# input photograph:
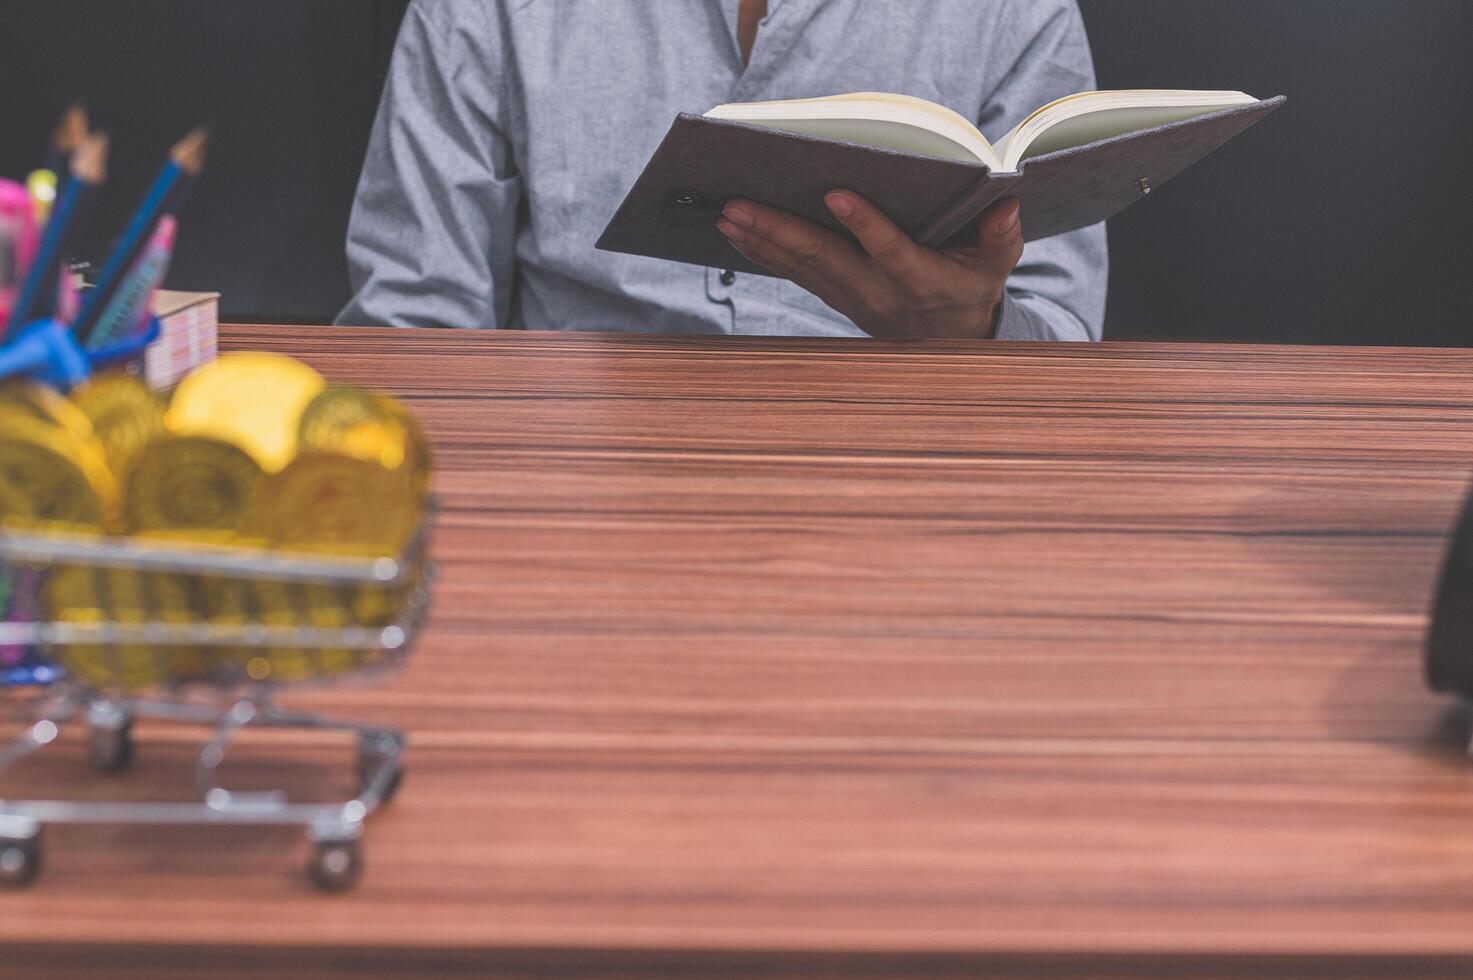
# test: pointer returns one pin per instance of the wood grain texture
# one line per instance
(804, 658)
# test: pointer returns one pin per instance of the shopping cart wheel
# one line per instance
(335, 866)
(20, 861)
(110, 750)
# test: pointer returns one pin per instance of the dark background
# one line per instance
(1345, 218)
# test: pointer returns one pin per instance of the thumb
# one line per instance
(1000, 239)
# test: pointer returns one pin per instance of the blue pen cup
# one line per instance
(48, 351)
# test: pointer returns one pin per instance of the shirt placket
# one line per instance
(778, 34)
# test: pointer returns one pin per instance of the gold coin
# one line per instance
(50, 477)
(124, 412)
(15, 503)
(419, 455)
(352, 422)
(254, 401)
(279, 606)
(136, 598)
(333, 503)
(311, 605)
(74, 595)
(357, 423)
(233, 602)
(237, 602)
(197, 487)
(32, 399)
(96, 595)
(377, 607)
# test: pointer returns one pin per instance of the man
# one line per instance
(511, 130)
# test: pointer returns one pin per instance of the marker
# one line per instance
(129, 309)
(38, 297)
(186, 160)
(17, 245)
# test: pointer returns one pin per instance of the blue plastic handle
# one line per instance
(48, 351)
(31, 675)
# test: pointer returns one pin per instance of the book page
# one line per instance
(912, 125)
(1093, 116)
(891, 122)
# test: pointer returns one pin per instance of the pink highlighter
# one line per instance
(19, 240)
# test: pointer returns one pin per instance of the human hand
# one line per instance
(893, 287)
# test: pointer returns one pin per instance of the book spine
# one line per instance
(939, 228)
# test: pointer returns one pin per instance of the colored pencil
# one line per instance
(43, 184)
(130, 307)
(37, 298)
(73, 128)
(185, 162)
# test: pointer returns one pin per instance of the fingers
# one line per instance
(891, 284)
(890, 247)
(786, 237)
(813, 257)
(780, 263)
(1000, 240)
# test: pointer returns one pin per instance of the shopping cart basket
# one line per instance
(114, 630)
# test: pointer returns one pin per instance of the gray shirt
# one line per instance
(511, 130)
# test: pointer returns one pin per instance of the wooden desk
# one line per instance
(821, 659)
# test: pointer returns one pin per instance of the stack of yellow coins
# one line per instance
(93, 596)
(53, 469)
(254, 450)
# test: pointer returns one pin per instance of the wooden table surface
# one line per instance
(791, 658)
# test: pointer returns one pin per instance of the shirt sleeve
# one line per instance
(432, 237)
(1058, 290)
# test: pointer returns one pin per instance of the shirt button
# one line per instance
(728, 278)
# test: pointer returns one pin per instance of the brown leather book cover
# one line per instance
(672, 210)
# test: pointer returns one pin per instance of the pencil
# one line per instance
(73, 128)
(130, 307)
(185, 162)
(70, 132)
(89, 169)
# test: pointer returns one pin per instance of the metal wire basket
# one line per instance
(115, 630)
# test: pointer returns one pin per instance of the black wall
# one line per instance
(1343, 219)
(1346, 217)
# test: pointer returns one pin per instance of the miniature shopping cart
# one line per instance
(115, 630)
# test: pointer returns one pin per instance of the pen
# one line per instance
(185, 162)
(38, 296)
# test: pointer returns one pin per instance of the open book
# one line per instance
(1071, 164)
(911, 125)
